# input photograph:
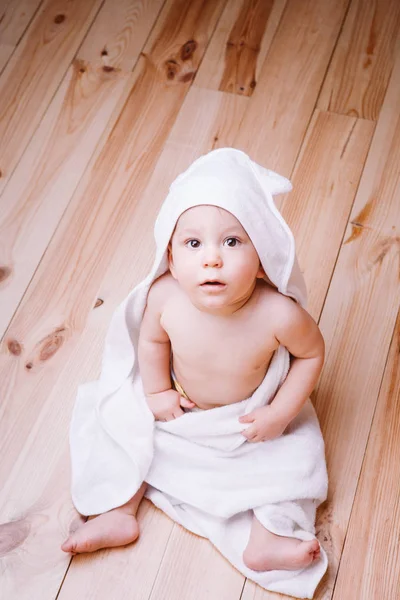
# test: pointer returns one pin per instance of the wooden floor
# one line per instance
(102, 104)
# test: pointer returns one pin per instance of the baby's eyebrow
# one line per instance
(188, 232)
(234, 231)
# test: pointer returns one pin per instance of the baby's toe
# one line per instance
(315, 547)
(69, 545)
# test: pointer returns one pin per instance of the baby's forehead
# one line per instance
(207, 216)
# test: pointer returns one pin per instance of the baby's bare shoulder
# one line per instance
(273, 299)
(161, 291)
(282, 309)
(293, 326)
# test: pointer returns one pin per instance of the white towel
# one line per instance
(201, 470)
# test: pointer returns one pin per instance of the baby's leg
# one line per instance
(267, 551)
(117, 527)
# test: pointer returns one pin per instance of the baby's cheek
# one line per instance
(247, 272)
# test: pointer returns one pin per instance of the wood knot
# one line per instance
(253, 84)
(367, 62)
(99, 302)
(52, 344)
(108, 69)
(187, 76)
(76, 523)
(29, 366)
(172, 68)
(13, 535)
(5, 272)
(14, 347)
(104, 52)
(59, 19)
(188, 49)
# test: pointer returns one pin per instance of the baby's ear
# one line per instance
(260, 272)
(170, 260)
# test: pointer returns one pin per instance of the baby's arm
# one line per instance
(154, 346)
(298, 332)
(154, 360)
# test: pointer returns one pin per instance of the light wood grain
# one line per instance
(34, 73)
(239, 46)
(370, 566)
(193, 569)
(41, 187)
(359, 73)
(289, 82)
(119, 33)
(75, 127)
(325, 182)
(14, 19)
(357, 323)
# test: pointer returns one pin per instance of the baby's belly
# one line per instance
(210, 388)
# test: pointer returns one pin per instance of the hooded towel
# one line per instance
(200, 469)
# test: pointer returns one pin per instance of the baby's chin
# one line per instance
(222, 303)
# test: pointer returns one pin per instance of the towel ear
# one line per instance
(275, 183)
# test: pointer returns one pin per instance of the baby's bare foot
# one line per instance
(267, 551)
(114, 528)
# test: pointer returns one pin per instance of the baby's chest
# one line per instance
(235, 345)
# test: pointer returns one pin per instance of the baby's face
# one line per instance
(213, 259)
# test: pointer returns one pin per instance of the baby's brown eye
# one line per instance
(231, 242)
(193, 243)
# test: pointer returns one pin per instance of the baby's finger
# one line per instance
(254, 436)
(186, 402)
(246, 418)
(249, 433)
(177, 412)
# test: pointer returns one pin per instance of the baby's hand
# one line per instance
(265, 424)
(166, 406)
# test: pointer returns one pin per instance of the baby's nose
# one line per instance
(212, 258)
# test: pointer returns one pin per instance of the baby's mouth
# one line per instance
(213, 284)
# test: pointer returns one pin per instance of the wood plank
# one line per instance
(38, 494)
(357, 323)
(252, 591)
(359, 73)
(15, 17)
(370, 565)
(325, 182)
(76, 123)
(35, 71)
(199, 571)
(41, 186)
(239, 46)
(117, 36)
(289, 83)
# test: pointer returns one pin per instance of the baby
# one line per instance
(211, 326)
